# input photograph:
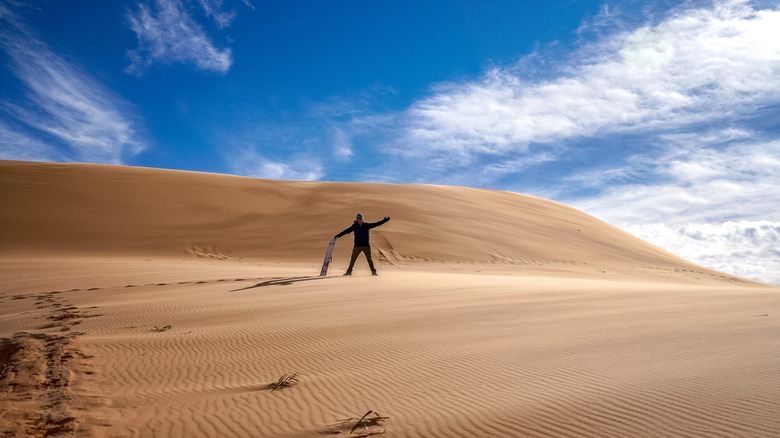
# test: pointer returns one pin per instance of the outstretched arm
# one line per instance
(382, 222)
(347, 231)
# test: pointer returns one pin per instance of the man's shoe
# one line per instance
(374, 274)
(347, 274)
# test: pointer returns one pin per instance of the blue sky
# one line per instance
(660, 117)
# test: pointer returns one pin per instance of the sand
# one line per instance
(142, 302)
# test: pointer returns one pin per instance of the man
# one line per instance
(362, 241)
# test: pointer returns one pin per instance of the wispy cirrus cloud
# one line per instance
(167, 33)
(248, 162)
(15, 144)
(214, 9)
(60, 104)
(324, 137)
(282, 152)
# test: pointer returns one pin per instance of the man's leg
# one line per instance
(355, 252)
(367, 252)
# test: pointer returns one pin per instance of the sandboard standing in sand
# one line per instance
(328, 258)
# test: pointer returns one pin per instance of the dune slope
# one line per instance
(46, 207)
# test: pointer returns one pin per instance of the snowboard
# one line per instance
(328, 258)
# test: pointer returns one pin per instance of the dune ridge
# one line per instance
(143, 302)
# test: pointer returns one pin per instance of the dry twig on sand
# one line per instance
(366, 421)
(285, 381)
(162, 329)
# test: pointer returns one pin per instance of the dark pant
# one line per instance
(355, 252)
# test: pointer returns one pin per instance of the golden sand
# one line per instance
(142, 302)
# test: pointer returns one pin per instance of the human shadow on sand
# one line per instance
(280, 281)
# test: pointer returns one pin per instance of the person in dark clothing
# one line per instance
(362, 241)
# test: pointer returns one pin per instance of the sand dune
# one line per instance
(141, 302)
(112, 209)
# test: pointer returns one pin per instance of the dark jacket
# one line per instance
(361, 231)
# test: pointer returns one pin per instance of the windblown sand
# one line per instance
(140, 302)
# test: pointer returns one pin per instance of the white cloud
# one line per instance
(332, 133)
(213, 9)
(170, 35)
(18, 145)
(693, 183)
(697, 65)
(717, 206)
(250, 163)
(342, 143)
(62, 103)
(749, 249)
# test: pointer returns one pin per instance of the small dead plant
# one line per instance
(368, 421)
(162, 329)
(285, 381)
(371, 423)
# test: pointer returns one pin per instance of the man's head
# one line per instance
(359, 218)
